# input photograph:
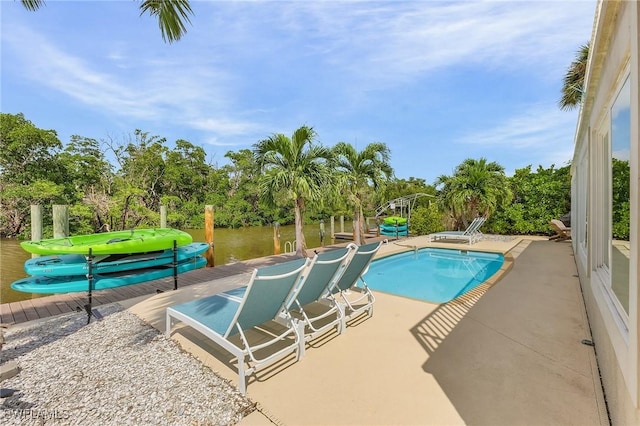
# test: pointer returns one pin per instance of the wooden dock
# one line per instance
(349, 235)
(47, 306)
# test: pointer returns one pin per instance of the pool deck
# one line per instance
(507, 353)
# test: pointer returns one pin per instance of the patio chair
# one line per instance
(562, 231)
(472, 234)
(226, 318)
(350, 292)
(322, 314)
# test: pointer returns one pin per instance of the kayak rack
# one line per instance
(175, 264)
(88, 307)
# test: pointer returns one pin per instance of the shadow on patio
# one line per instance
(514, 356)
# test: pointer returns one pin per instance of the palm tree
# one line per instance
(296, 170)
(356, 172)
(475, 189)
(573, 82)
(448, 201)
(172, 15)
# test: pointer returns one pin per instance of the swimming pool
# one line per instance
(431, 274)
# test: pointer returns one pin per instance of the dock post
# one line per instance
(276, 237)
(60, 221)
(36, 224)
(341, 223)
(163, 216)
(208, 235)
(321, 233)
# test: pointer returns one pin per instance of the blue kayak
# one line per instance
(78, 283)
(76, 264)
(392, 230)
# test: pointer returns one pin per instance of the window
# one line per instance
(620, 196)
(582, 201)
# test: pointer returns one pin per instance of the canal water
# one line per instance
(230, 245)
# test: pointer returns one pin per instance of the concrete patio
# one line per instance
(508, 353)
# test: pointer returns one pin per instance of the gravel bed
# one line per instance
(115, 371)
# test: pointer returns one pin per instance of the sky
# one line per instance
(437, 82)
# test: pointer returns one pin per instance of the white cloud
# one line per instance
(149, 88)
(539, 136)
(247, 69)
(392, 42)
(542, 126)
(365, 45)
(222, 126)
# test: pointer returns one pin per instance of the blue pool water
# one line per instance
(434, 275)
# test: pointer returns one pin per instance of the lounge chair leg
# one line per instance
(371, 300)
(343, 319)
(242, 385)
(301, 342)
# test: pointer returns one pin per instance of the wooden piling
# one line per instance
(208, 235)
(276, 238)
(163, 216)
(333, 229)
(36, 224)
(60, 221)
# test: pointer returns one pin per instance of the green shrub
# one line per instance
(426, 220)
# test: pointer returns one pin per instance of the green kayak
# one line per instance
(118, 242)
(394, 220)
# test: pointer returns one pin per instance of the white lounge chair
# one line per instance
(350, 292)
(472, 234)
(321, 314)
(223, 316)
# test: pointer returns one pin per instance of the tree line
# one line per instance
(254, 189)
(120, 184)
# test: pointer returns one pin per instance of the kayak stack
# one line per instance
(394, 225)
(108, 260)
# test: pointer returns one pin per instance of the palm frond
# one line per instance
(573, 81)
(172, 16)
(32, 5)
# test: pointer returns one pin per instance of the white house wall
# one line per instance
(614, 56)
